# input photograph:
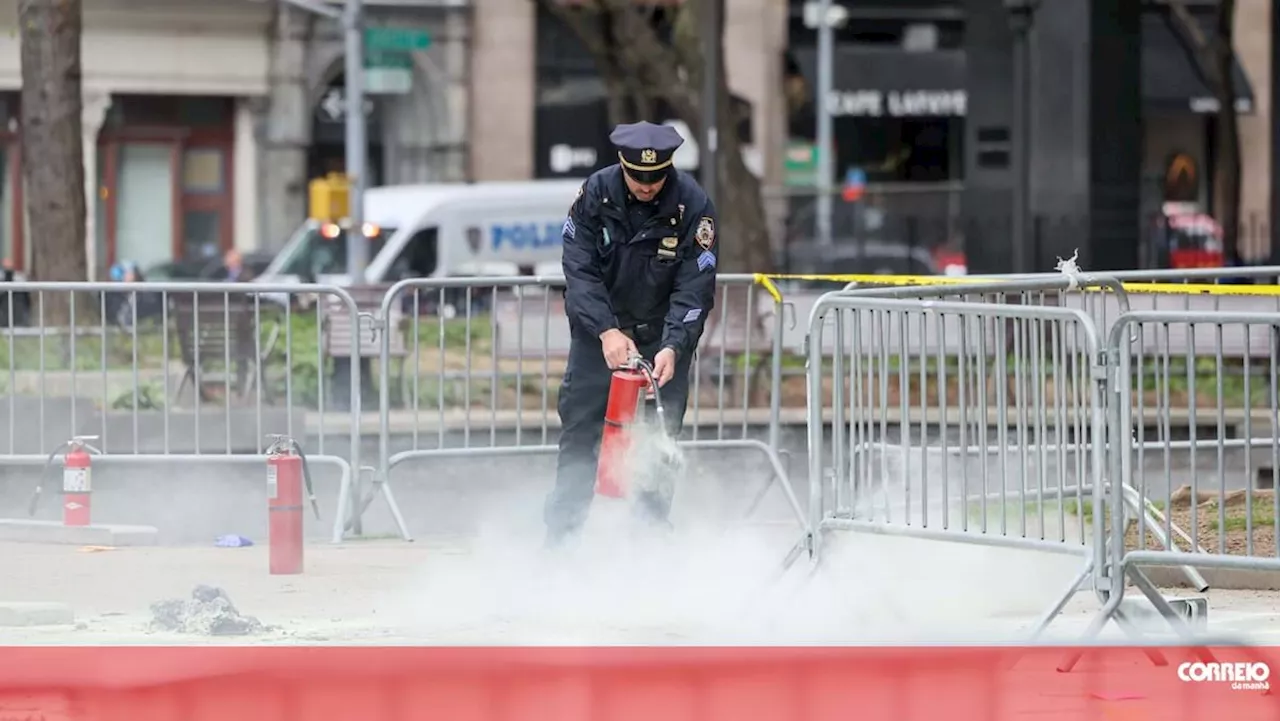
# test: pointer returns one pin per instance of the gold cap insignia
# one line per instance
(649, 155)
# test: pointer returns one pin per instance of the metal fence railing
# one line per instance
(1043, 412)
(1039, 412)
(182, 373)
(485, 382)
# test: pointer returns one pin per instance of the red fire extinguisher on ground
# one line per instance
(76, 480)
(286, 472)
(77, 475)
(626, 389)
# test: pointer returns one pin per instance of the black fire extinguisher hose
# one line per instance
(306, 476)
(646, 368)
(44, 476)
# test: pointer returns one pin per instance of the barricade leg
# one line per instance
(380, 487)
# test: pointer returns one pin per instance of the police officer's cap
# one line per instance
(645, 149)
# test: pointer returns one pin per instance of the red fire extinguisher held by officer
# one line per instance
(287, 471)
(626, 388)
(77, 480)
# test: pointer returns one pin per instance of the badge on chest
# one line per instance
(667, 247)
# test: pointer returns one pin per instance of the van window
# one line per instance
(323, 250)
(419, 257)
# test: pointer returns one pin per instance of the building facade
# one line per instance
(166, 115)
(204, 120)
(540, 109)
(923, 95)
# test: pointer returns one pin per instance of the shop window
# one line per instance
(202, 170)
(144, 202)
(204, 112)
(155, 111)
(201, 233)
(899, 150)
(206, 201)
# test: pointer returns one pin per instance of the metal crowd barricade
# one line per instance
(972, 422)
(1194, 355)
(1149, 346)
(483, 358)
(167, 372)
(942, 358)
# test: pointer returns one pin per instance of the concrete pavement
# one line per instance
(705, 586)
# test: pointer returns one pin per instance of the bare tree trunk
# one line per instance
(1213, 57)
(638, 66)
(52, 145)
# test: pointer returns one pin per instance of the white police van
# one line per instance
(438, 231)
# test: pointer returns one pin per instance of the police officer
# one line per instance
(639, 263)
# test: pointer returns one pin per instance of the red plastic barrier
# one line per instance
(621, 684)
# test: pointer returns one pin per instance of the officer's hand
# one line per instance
(664, 366)
(618, 348)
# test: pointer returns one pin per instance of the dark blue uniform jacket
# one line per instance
(622, 272)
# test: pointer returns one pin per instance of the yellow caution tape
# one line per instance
(766, 281)
(1271, 291)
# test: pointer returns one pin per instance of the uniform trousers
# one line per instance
(584, 396)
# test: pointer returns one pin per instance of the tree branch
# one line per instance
(635, 59)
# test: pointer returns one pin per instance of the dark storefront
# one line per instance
(922, 104)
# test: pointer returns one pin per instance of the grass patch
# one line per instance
(1237, 515)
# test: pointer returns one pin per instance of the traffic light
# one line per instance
(330, 198)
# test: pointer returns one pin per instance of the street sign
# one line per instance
(388, 61)
(404, 40)
(333, 106)
(800, 165)
(388, 81)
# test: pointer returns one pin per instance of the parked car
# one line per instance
(204, 269)
(855, 258)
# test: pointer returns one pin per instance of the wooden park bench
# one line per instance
(340, 342)
(218, 342)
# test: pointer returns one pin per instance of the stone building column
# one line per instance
(250, 114)
(1253, 48)
(503, 87)
(94, 106)
(287, 132)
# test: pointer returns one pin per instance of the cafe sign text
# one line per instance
(897, 103)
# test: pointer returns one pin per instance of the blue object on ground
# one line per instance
(232, 542)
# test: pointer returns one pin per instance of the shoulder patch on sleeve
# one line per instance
(569, 230)
(706, 233)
